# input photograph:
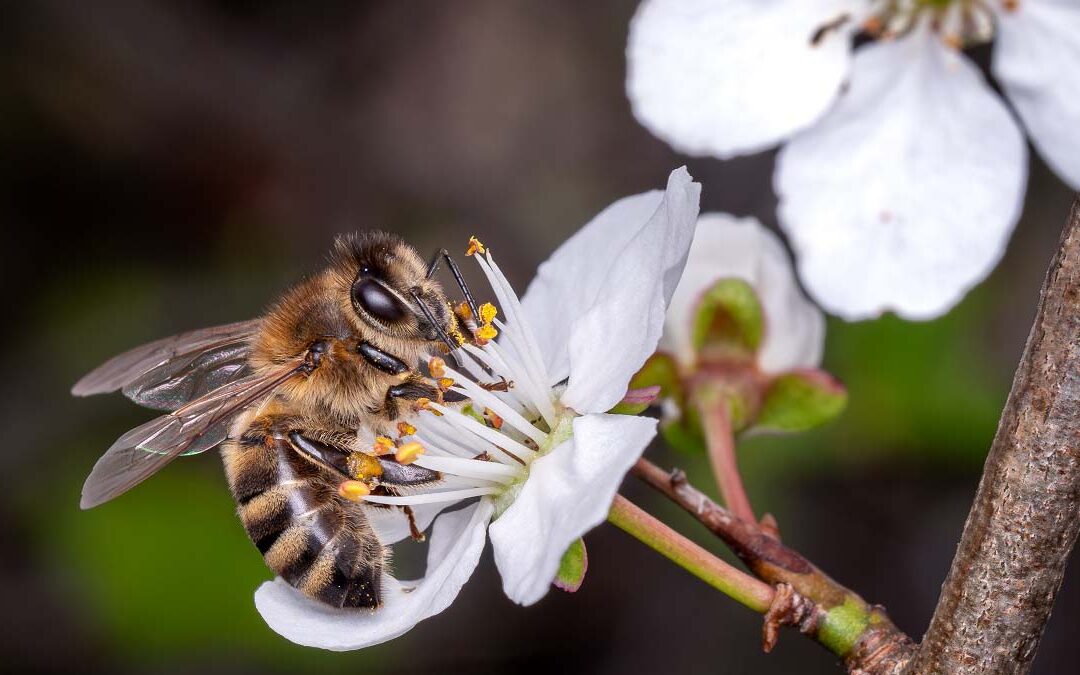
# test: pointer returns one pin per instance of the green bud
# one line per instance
(572, 567)
(800, 400)
(728, 321)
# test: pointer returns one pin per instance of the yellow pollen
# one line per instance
(409, 452)
(424, 403)
(486, 333)
(353, 490)
(487, 313)
(437, 367)
(383, 445)
(463, 311)
(445, 383)
(475, 247)
(405, 429)
(364, 467)
(493, 419)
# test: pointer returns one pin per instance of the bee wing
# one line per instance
(193, 428)
(168, 373)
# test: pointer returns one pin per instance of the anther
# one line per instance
(405, 429)
(437, 367)
(384, 445)
(475, 247)
(493, 420)
(353, 490)
(409, 452)
(488, 312)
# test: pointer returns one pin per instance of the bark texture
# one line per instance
(1024, 521)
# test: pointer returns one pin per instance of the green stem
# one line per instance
(751, 592)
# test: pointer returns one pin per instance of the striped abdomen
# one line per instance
(316, 540)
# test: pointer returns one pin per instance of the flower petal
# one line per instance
(456, 543)
(597, 305)
(730, 77)
(1037, 62)
(568, 492)
(724, 247)
(905, 194)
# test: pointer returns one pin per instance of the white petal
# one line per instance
(742, 248)
(456, 542)
(730, 77)
(568, 492)
(905, 194)
(1037, 62)
(598, 303)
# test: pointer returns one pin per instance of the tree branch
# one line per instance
(1026, 515)
(851, 628)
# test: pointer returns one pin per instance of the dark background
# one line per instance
(170, 165)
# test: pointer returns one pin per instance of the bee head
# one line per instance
(390, 289)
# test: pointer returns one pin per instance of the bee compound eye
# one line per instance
(374, 299)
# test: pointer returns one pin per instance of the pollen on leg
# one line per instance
(409, 452)
(364, 467)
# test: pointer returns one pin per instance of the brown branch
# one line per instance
(1026, 515)
(875, 647)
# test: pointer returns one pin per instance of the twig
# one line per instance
(781, 607)
(727, 579)
(1026, 515)
(853, 629)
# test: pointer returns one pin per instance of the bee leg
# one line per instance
(414, 531)
(414, 388)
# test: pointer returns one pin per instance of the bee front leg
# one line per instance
(414, 388)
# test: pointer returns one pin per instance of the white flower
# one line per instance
(726, 247)
(899, 190)
(544, 456)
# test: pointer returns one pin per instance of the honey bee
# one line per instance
(285, 395)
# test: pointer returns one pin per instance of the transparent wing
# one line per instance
(193, 428)
(210, 354)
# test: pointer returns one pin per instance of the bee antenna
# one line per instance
(443, 254)
(438, 329)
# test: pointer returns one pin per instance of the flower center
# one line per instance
(513, 416)
(960, 23)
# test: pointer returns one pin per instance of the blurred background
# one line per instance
(171, 165)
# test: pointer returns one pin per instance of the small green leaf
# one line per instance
(801, 399)
(660, 371)
(572, 567)
(728, 320)
(636, 401)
